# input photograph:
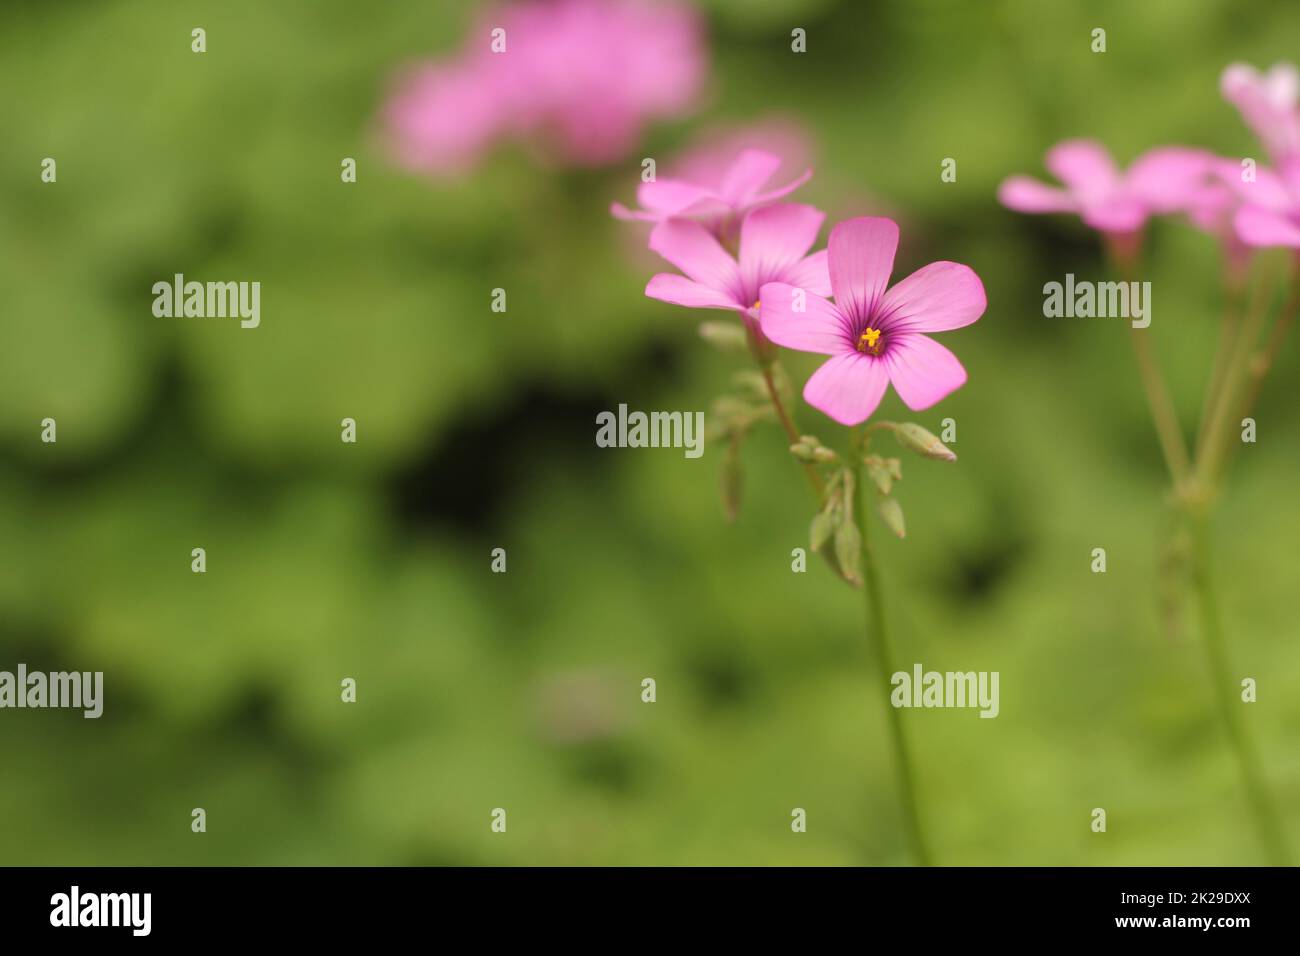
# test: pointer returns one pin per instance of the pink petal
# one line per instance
(694, 250)
(1257, 226)
(763, 198)
(1211, 206)
(922, 370)
(934, 298)
(1267, 103)
(1167, 178)
(819, 328)
(619, 211)
(679, 290)
(669, 196)
(861, 259)
(848, 387)
(813, 273)
(1282, 86)
(1268, 190)
(774, 238)
(1116, 214)
(1084, 166)
(1024, 194)
(746, 176)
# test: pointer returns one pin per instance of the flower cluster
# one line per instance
(1247, 207)
(579, 78)
(1242, 204)
(739, 248)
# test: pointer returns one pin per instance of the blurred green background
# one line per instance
(476, 431)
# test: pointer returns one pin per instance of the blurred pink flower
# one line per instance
(720, 198)
(1161, 180)
(1270, 212)
(579, 77)
(774, 244)
(1212, 206)
(710, 154)
(873, 335)
(444, 116)
(1267, 103)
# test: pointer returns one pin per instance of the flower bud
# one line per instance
(823, 526)
(848, 551)
(915, 438)
(891, 513)
(881, 475)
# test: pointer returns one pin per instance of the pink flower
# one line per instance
(1267, 103)
(774, 244)
(1212, 206)
(1270, 212)
(873, 335)
(444, 116)
(1159, 181)
(710, 154)
(717, 203)
(578, 77)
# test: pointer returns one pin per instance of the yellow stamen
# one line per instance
(757, 302)
(869, 341)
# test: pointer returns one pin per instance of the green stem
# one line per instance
(878, 634)
(1209, 459)
(1123, 252)
(1267, 821)
(1229, 329)
(782, 416)
(1172, 444)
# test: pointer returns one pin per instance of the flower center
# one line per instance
(870, 341)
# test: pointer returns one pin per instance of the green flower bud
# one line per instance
(880, 474)
(891, 513)
(848, 551)
(915, 438)
(823, 526)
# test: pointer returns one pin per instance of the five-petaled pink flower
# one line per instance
(1159, 181)
(718, 204)
(875, 336)
(774, 244)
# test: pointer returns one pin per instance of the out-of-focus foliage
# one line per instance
(522, 690)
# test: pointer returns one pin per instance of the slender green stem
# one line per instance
(1123, 252)
(1209, 457)
(1260, 363)
(782, 416)
(1267, 821)
(1172, 443)
(878, 634)
(1229, 329)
